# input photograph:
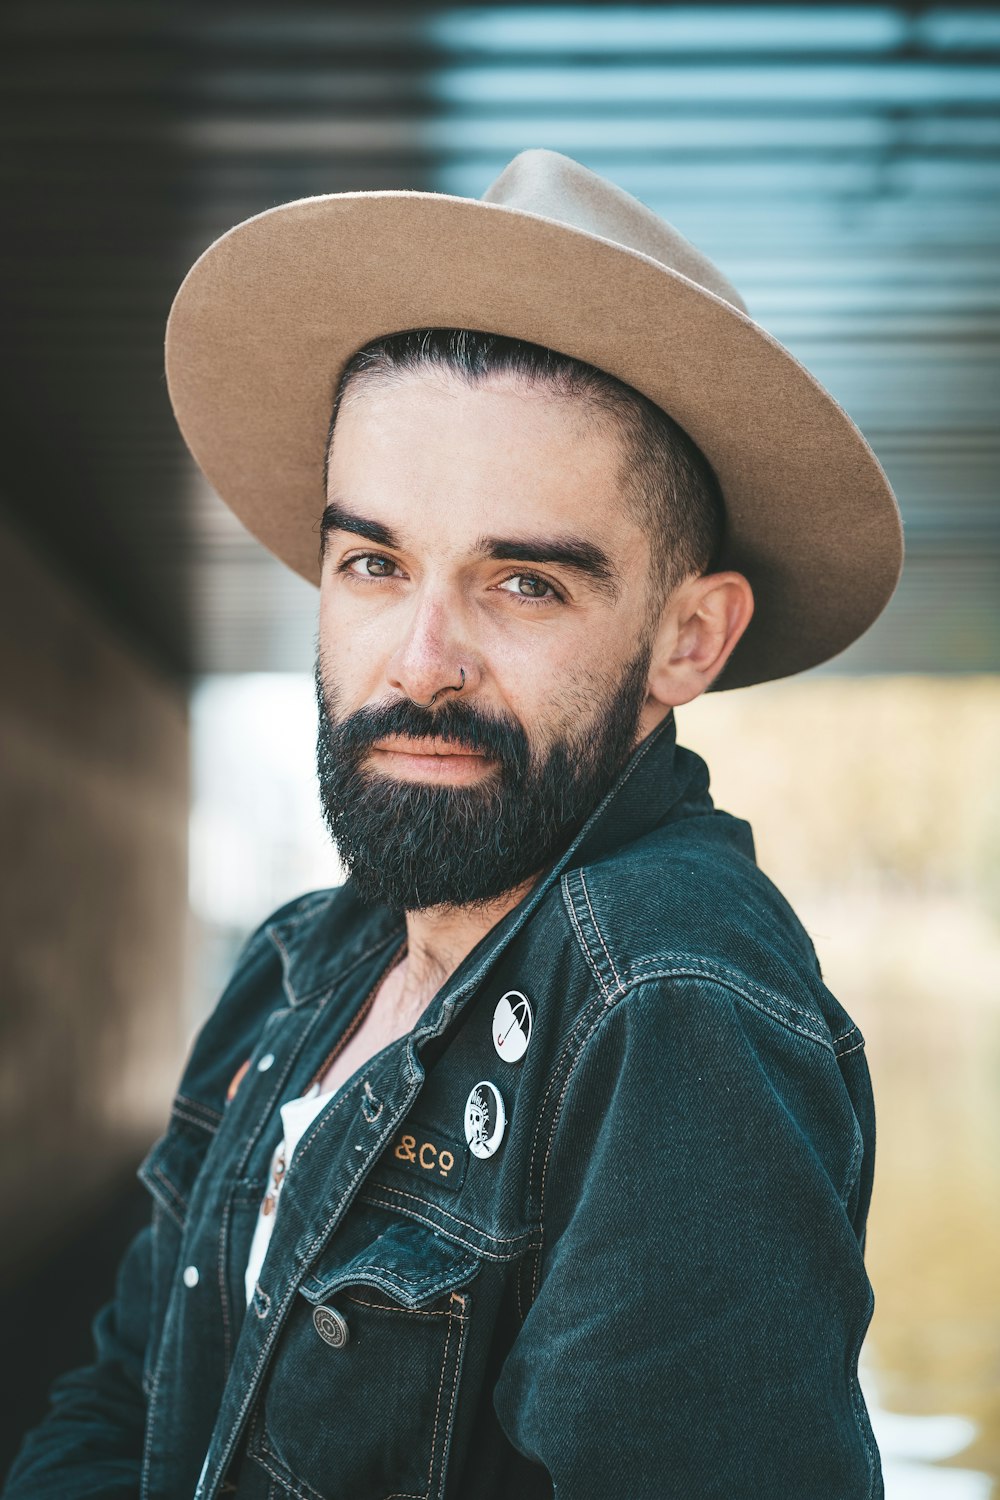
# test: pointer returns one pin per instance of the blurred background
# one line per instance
(840, 164)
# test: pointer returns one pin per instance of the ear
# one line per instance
(702, 621)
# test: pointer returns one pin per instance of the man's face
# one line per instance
(476, 531)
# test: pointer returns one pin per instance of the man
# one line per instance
(536, 1159)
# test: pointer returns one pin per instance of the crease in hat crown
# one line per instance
(546, 182)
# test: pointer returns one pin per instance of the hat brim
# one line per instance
(266, 318)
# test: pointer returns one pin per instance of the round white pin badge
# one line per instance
(512, 1026)
(485, 1119)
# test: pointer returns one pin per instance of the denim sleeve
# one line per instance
(89, 1445)
(700, 1295)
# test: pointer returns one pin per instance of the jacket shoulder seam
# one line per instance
(666, 965)
(744, 989)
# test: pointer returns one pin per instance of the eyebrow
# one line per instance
(573, 552)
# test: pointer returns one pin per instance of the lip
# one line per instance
(431, 760)
(398, 744)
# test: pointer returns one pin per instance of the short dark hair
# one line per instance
(667, 482)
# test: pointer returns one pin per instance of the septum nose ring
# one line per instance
(451, 688)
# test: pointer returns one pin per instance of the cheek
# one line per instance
(355, 643)
(553, 687)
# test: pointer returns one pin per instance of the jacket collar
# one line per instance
(331, 932)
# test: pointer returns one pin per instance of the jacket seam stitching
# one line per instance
(227, 1342)
(566, 1059)
(727, 981)
(570, 905)
(498, 1239)
(734, 976)
(604, 1010)
(600, 935)
(500, 1257)
(288, 1481)
(861, 1421)
(197, 1107)
(178, 1214)
(398, 1275)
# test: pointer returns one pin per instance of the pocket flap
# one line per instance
(172, 1164)
(407, 1262)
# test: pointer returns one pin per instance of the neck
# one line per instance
(437, 940)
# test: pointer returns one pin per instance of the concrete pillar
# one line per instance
(93, 895)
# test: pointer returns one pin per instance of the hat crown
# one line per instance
(540, 181)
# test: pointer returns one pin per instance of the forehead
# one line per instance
(428, 453)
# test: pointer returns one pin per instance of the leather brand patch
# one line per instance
(416, 1150)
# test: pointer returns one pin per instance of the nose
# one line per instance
(434, 655)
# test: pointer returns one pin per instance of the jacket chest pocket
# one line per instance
(361, 1395)
(168, 1172)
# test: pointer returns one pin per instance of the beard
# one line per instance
(412, 845)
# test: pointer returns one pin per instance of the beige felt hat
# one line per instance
(269, 314)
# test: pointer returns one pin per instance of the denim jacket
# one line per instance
(653, 1287)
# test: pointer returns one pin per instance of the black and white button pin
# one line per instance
(485, 1119)
(512, 1026)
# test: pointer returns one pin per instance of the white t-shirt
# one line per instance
(296, 1117)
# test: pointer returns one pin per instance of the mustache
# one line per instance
(498, 736)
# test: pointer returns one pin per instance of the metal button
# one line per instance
(191, 1276)
(512, 1026)
(266, 1062)
(485, 1119)
(331, 1326)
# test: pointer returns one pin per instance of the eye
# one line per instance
(369, 565)
(529, 586)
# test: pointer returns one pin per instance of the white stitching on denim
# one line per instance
(461, 1319)
(857, 1400)
(497, 1239)
(498, 1256)
(848, 1050)
(372, 1116)
(398, 1494)
(570, 905)
(735, 975)
(552, 1135)
(180, 1113)
(437, 1404)
(844, 1035)
(579, 1024)
(395, 1275)
(398, 1307)
(322, 1121)
(262, 1357)
(429, 1203)
(290, 1483)
(586, 895)
(227, 1341)
(727, 981)
(151, 1405)
(195, 1105)
(179, 1218)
